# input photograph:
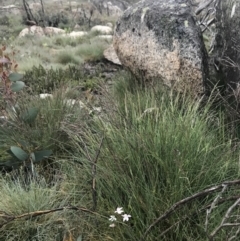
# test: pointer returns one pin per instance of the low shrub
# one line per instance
(65, 57)
(92, 51)
(41, 80)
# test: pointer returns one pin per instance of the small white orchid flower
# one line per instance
(112, 225)
(119, 210)
(112, 218)
(44, 96)
(126, 217)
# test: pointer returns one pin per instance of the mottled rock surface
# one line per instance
(111, 56)
(160, 40)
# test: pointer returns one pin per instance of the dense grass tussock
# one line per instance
(156, 151)
(149, 150)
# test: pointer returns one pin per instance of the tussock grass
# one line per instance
(57, 51)
(93, 50)
(157, 150)
(29, 63)
(65, 57)
(19, 199)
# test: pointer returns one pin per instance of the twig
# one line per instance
(213, 205)
(223, 200)
(235, 235)
(168, 229)
(201, 210)
(10, 218)
(202, 6)
(94, 173)
(43, 13)
(177, 205)
(223, 223)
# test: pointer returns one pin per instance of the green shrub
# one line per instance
(41, 80)
(92, 51)
(64, 57)
(10, 27)
(35, 125)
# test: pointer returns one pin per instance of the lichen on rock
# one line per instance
(161, 40)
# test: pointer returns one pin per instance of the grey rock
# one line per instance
(113, 8)
(161, 40)
(123, 5)
(111, 55)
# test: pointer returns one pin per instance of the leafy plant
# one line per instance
(41, 80)
(25, 154)
(11, 81)
(33, 157)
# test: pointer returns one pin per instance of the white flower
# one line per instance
(112, 225)
(112, 218)
(119, 210)
(126, 217)
(44, 96)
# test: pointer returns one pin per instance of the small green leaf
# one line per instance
(30, 115)
(19, 153)
(14, 77)
(17, 86)
(40, 155)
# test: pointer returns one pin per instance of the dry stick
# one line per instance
(168, 229)
(186, 200)
(235, 235)
(223, 224)
(223, 200)
(213, 205)
(11, 218)
(201, 210)
(230, 234)
(202, 6)
(94, 173)
(26, 10)
(43, 13)
(30, 13)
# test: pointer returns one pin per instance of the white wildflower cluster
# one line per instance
(119, 211)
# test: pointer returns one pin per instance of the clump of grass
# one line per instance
(65, 57)
(18, 199)
(64, 41)
(92, 51)
(56, 50)
(29, 63)
(158, 149)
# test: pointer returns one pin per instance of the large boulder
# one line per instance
(111, 56)
(77, 34)
(111, 8)
(161, 40)
(102, 29)
(39, 31)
